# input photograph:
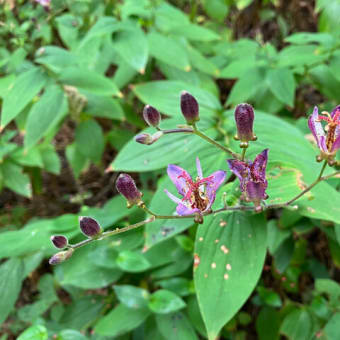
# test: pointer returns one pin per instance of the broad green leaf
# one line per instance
(168, 16)
(299, 55)
(281, 82)
(68, 28)
(22, 91)
(175, 326)
(121, 320)
(45, 114)
(178, 285)
(268, 324)
(50, 159)
(216, 9)
(242, 4)
(132, 261)
(90, 81)
(10, 285)
(90, 140)
(55, 58)
(200, 62)
(164, 301)
(71, 334)
(195, 32)
(236, 68)
(297, 325)
(132, 45)
(325, 81)
(329, 287)
(15, 179)
(168, 50)
(76, 159)
(165, 96)
(246, 86)
(302, 38)
(139, 157)
(35, 332)
(78, 273)
(131, 296)
(103, 106)
(331, 330)
(81, 313)
(229, 255)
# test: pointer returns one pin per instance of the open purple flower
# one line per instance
(328, 143)
(198, 195)
(252, 176)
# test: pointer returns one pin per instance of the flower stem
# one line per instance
(112, 232)
(211, 141)
(185, 130)
(163, 217)
(243, 154)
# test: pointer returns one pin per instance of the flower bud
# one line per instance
(189, 107)
(127, 187)
(144, 138)
(151, 116)
(61, 257)
(89, 226)
(59, 241)
(244, 117)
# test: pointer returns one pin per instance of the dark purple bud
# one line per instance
(244, 117)
(189, 107)
(127, 187)
(59, 241)
(151, 116)
(61, 256)
(89, 226)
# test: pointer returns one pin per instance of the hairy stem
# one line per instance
(113, 232)
(211, 141)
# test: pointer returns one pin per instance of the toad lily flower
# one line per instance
(198, 195)
(327, 143)
(252, 176)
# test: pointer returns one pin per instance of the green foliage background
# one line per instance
(73, 83)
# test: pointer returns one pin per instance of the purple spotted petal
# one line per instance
(199, 168)
(260, 163)
(239, 168)
(183, 210)
(256, 191)
(315, 126)
(337, 108)
(218, 178)
(174, 172)
(336, 145)
(172, 197)
(323, 146)
(337, 129)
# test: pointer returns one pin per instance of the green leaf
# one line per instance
(168, 50)
(10, 285)
(281, 82)
(268, 324)
(24, 88)
(297, 325)
(15, 179)
(175, 326)
(331, 330)
(131, 296)
(90, 81)
(216, 9)
(90, 140)
(329, 287)
(55, 58)
(164, 301)
(102, 106)
(71, 334)
(45, 114)
(230, 250)
(35, 332)
(50, 159)
(78, 273)
(121, 320)
(269, 297)
(132, 45)
(200, 62)
(302, 38)
(246, 86)
(237, 68)
(132, 261)
(195, 32)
